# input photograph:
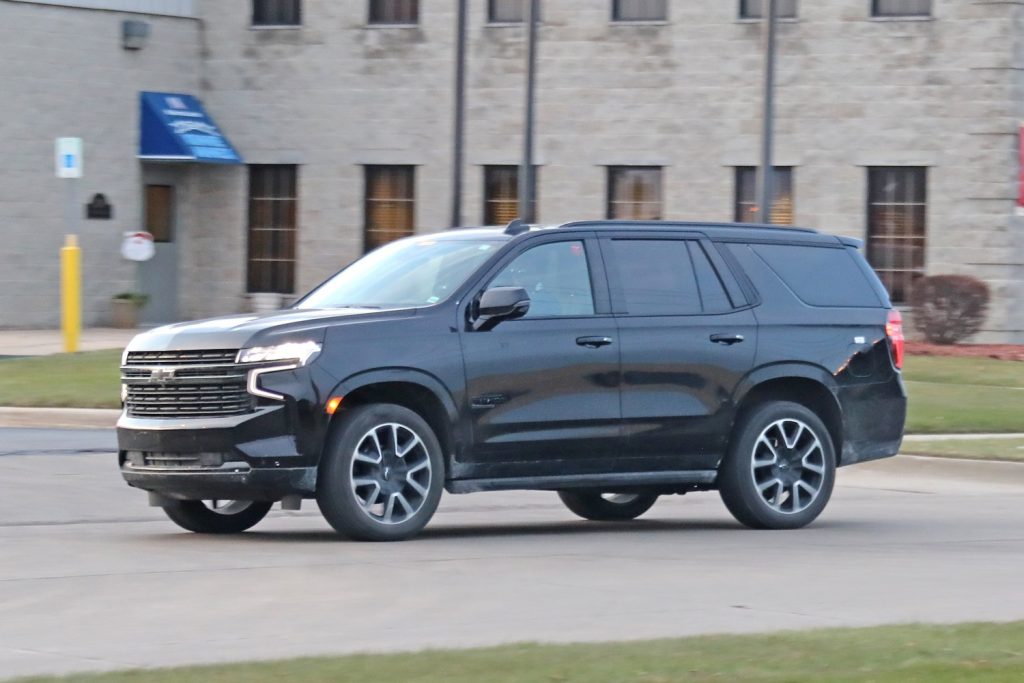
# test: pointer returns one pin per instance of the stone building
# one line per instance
(897, 122)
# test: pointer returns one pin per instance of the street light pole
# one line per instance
(458, 133)
(766, 172)
(526, 180)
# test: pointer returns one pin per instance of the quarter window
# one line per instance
(501, 194)
(634, 193)
(897, 222)
(273, 218)
(390, 204)
(654, 277)
(639, 10)
(556, 276)
(394, 11)
(754, 9)
(276, 12)
(745, 206)
(901, 8)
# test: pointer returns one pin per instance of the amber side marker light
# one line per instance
(332, 405)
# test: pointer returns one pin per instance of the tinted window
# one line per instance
(712, 292)
(655, 277)
(555, 275)
(819, 276)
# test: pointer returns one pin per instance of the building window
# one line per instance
(639, 10)
(501, 194)
(746, 196)
(276, 12)
(273, 219)
(901, 8)
(634, 193)
(754, 9)
(507, 11)
(897, 219)
(394, 11)
(390, 204)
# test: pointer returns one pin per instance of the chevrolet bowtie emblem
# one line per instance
(161, 374)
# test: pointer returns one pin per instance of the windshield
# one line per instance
(418, 271)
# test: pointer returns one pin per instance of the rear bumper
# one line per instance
(874, 417)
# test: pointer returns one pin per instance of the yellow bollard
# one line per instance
(71, 292)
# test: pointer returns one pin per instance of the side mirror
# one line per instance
(500, 303)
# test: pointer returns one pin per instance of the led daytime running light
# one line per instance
(298, 352)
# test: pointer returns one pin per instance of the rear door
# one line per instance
(687, 337)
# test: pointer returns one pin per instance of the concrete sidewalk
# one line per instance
(44, 342)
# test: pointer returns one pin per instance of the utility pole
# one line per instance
(766, 172)
(458, 133)
(526, 180)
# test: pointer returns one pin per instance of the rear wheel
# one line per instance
(381, 475)
(607, 507)
(217, 516)
(780, 469)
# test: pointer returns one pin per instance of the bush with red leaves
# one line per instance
(949, 308)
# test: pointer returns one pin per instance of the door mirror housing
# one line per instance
(498, 304)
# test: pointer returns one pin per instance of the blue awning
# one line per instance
(175, 127)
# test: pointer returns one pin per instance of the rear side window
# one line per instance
(712, 291)
(819, 276)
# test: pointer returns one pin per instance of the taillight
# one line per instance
(894, 330)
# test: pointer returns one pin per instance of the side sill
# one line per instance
(702, 478)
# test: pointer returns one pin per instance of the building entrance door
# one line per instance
(158, 277)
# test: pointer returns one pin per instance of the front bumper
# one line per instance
(255, 456)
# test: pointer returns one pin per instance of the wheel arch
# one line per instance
(808, 385)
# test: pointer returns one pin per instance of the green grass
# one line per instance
(936, 654)
(973, 449)
(83, 380)
(956, 395)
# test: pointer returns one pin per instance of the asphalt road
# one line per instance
(91, 578)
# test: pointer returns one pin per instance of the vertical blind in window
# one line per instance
(745, 210)
(276, 12)
(639, 10)
(390, 204)
(394, 11)
(897, 218)
(634, 192)
(273, 219)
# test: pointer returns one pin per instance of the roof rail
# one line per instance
(686, 224)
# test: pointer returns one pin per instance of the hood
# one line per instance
(251, 329)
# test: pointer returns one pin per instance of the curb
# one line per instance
(63, 418)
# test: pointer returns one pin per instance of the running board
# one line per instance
(700, 478)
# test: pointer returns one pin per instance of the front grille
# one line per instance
(185, 384)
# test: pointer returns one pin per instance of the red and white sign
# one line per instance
(138, 246)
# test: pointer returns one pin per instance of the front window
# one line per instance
(555, 275)
(420, 271)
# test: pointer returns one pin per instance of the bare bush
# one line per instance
(949, 308)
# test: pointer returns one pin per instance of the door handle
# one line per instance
(727, 339)
(593, 342)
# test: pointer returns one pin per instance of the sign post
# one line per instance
(68, 164)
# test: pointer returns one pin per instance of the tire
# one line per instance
(217, 517)
(780, 468)
(607, 507)
(381, 475)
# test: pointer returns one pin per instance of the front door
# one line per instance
(685, 345)
(543, 390)
(158, 277)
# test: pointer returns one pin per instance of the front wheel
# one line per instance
(780, 468)
(217, 516)
(607, 507)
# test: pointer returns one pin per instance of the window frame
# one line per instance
(368, 201)
(871, 233)
(299, 13)
(292, 231)
(610, 190)
(876, 12)
(616, 19)
(391, 24)
(738, 202)
(743, 15)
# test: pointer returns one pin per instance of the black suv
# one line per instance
(612, 362)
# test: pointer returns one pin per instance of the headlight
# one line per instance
(299, 353)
